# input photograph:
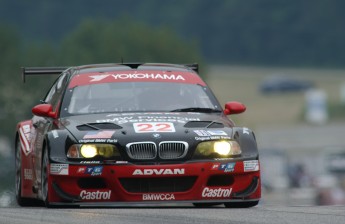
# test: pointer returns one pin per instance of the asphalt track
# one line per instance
(173, 214)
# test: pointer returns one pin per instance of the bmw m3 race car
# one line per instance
(129, 134)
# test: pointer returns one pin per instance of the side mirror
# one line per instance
(234, 108)
(44, 110)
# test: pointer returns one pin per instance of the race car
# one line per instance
(132, 134)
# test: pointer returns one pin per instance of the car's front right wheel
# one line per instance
(44, 177)
(21, 201)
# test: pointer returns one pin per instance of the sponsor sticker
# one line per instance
(90, 162)
(24, 132)
(217, 132)
(121, 162)
(250, 165)
(55, 134)
(220, 159)
(205, 138)
(26, 128)
(98, 140)
(95, 195)
(150, 172)
(94, 170)
(227, 167)
(158, 197)
(98, 134)
(143, 115)
(97, 78)
(216, 192)
(204, 133)
(81, 169)
(149, 118)
(246, 131)
(59, 169)
(154, 127)
(125, 76)
(27, 174)
(137, 76)
(215, 166)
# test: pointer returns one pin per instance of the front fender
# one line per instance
(58, 141)
(246, 138)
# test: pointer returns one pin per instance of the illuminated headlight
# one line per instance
(222, 148)
(92, 150)
(217, 149)
(88, 151)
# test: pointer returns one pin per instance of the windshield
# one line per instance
(137, 97)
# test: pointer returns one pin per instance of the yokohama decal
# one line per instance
(24, 133)
(130, 76)
(97, 78)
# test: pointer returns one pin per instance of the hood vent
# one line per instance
(98, 126)
(203, 124)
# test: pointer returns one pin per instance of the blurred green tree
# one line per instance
(92, 42)
(101, 42)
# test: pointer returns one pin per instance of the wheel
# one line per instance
(247, 204)
(45, 182)
(21, 201)
(205, 205)
(44, 178)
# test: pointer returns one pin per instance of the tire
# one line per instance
(205, 205)
(247, 204)
(45, 183)
(21, 201)
(44, 178)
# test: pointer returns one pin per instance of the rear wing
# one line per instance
(58, 70)
(41, 71)
(194, 67)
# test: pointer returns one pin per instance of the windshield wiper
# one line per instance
(197, 109)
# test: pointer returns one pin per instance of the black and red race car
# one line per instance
(130, 133)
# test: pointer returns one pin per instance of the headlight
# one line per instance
(88, 151)
(217, 149)
(92, 150)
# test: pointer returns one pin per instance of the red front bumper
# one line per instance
(201, 181)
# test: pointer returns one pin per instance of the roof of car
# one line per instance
(136, 66)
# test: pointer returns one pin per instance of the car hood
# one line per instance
(135, 127)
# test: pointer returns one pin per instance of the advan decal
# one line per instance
(150, 172)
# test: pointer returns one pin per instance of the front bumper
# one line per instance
(202, 182)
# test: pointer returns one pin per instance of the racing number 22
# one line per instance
(154, 127)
